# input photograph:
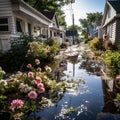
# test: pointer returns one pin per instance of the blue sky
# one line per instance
(81, 7)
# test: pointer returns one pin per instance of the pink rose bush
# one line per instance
(37, 61)
(31, 75)
(32, 95)
(29, 65)
(16, 104)
(38, 80)
(28, 89)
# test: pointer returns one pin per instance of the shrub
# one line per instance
(64, 45)
(24, 50)
(14, 58)
(38, 49)
(23, 93)
(86, 40)
(108, 44)
(95, 44)
(50, 41)
(112, 59)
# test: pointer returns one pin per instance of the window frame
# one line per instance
(5, 24)
(20, 23)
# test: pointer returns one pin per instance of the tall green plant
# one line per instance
(112, 59)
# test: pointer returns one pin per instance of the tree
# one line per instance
(93, 20)
(75, 27)
(51, 5)
(85, 27)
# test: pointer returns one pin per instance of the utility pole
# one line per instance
(73, 24)
(73, 27)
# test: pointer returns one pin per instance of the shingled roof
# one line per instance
(49, 14)
(115, 5)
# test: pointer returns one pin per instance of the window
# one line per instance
(109, 30)
(109, 12)
(3, 24)
(19, 25)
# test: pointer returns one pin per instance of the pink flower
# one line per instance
(118, 77)
(38, 80)
(39, 69)
(29, 65)
(32, 95)
(31, 75)
(40, 85)
(37, 61)
(15, 104)
(42, 90)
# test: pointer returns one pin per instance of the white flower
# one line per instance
(3, 83)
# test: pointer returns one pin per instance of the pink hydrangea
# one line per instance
(37, 61)
(118, 77)
(15, 104)
(42, 90)
(32, 95)
(40, 85)
(29, 65)
(38, 80)
(31, 75)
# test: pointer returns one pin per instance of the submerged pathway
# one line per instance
(91, 97)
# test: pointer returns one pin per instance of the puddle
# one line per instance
(88, 100)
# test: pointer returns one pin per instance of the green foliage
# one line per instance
(38, 50)
(112, 59)
(54, 46)
(86, 40)
(49, 41)
(89, 21)
(51, 5)
(64, 45)
(19, 86)
(26, 49)
(95, 44)
(16, 56)
(2, 73)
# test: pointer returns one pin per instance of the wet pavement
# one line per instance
(91, 98)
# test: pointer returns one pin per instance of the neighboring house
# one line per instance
(98, 32)
(111, 21)
(17, 17)
(56, 31)
(97, 29)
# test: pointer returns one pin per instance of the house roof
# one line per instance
(31, 9)
(115, 5)
(49, 14)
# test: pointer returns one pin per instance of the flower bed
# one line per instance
(23, 93)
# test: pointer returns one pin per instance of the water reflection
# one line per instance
(92, 100)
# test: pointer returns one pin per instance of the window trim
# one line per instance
(7, 24)
(21, 25)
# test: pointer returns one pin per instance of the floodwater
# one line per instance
(92, 100)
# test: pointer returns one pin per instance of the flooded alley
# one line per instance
(91, 98)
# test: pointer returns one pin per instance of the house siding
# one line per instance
(5, 8)
(110, 14)
(117, 32)
(113, 32)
